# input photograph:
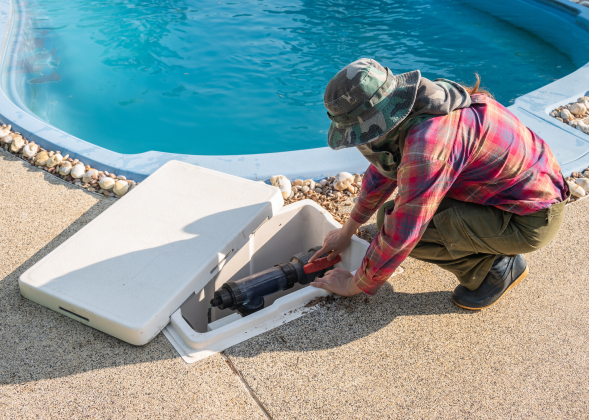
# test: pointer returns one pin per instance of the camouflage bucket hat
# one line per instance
(365, 100)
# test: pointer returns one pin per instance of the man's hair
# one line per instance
(472, 90)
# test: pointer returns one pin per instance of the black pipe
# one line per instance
(247, 295)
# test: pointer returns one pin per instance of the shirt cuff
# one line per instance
(360, 213)
(366, 284)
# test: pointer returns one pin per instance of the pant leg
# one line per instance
(464, 238)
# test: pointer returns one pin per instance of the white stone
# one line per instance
(17, 144)
(578, 109)
(310, 183)
(66, 168)
(121, 177)
(90, 175)
(5, 130)
(283, 184)
(584, 183)
(341, 185)
(576, 190)
(566, 115)
(323, 182)
(344, 176)
(120, 187)
(305, 189)
(30, 150)
(41, 158)
(78, 171)
(7, 139)
(54, 160)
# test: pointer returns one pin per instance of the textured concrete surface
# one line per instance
(54, 367)
(407, 352)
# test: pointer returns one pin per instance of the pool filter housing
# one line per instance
(247, 295)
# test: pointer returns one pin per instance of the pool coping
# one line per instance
(533, 107)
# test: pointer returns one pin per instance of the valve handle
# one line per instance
(321, 264)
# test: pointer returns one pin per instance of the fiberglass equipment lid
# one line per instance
(129, 269)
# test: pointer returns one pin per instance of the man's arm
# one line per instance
(375, 190)
(423, 183)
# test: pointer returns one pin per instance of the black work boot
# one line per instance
(506, 272)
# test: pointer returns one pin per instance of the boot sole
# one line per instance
(514, 283)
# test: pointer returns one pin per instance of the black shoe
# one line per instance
(506, 272)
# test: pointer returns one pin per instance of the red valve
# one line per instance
(320, 264)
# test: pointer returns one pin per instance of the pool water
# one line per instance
(241, 77)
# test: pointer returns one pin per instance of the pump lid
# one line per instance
(131, 267)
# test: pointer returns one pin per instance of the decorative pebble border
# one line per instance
(581, 3)
(574, 114)
(330, 192)
(64, 167)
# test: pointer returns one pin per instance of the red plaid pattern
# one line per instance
(482, 154)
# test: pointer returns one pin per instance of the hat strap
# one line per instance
(379, 94)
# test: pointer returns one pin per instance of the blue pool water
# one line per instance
(244, 77)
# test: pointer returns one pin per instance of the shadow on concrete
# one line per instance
(37, 343)
(347, 320)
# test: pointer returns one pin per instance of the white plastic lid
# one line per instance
(129, 269)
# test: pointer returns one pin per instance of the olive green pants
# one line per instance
(464, 238)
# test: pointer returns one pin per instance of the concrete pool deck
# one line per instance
(407, 352)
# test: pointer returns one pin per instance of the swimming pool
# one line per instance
(230, 78)
(558, 28)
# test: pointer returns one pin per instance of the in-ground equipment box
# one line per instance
(153, 260)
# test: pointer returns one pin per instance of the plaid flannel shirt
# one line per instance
(482, 154)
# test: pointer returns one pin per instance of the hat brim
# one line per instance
(381, 118)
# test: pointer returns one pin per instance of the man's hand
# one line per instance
(337, 240)
(338, 281)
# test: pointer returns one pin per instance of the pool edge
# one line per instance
(309, 163)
